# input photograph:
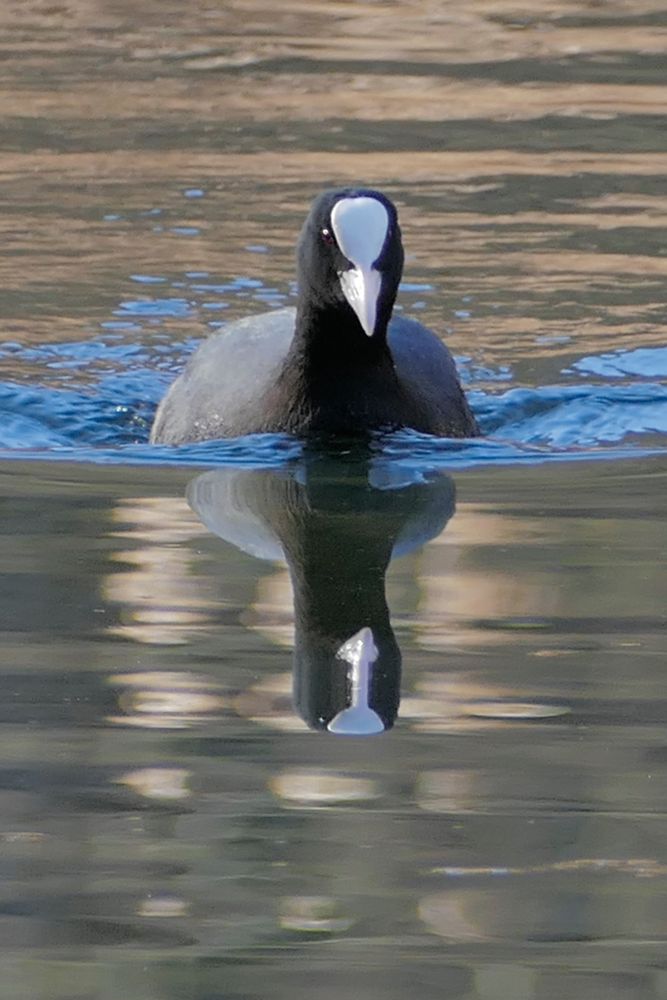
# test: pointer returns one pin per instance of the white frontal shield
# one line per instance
(360, 226)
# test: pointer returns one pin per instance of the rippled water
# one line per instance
(175, 619)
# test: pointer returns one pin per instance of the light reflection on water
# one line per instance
(170, 826)
(518, 800)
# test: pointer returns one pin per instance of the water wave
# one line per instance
(94, 401)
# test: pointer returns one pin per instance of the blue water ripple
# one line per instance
(100, 395)
(154, 307)
(646, 362)
(574, 415)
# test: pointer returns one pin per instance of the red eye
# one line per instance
(328, 236)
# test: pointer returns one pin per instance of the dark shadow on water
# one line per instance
(337, 522)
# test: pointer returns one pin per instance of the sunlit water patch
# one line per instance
(94, 400)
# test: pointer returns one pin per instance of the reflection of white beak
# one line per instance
(360, 653)
(361, 287)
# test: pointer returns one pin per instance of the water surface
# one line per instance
(178, 817)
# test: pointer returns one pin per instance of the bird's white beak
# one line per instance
(361, 287)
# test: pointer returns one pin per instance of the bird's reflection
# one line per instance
(337, 523)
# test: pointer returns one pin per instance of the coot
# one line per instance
(339, 364)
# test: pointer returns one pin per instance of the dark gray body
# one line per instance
(245, 380)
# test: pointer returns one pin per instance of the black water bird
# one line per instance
(339, 364)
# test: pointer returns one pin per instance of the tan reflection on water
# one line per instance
(166, 699)
(560, 907)
(318, 788)
(458, 702)
(163, 906)
(376, 97)
(165, 784)
(314, 914)
(453, 595)
(271, 613)
(162, 602)
(562, 566)
(241, 98)
(426, 29)
(269, 703)
(160, 598)
(458, 253)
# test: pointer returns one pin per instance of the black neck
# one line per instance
(335, 377)
(328, 335)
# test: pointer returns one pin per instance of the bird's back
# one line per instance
(220, 391)
(237, 383)
(427, 373)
